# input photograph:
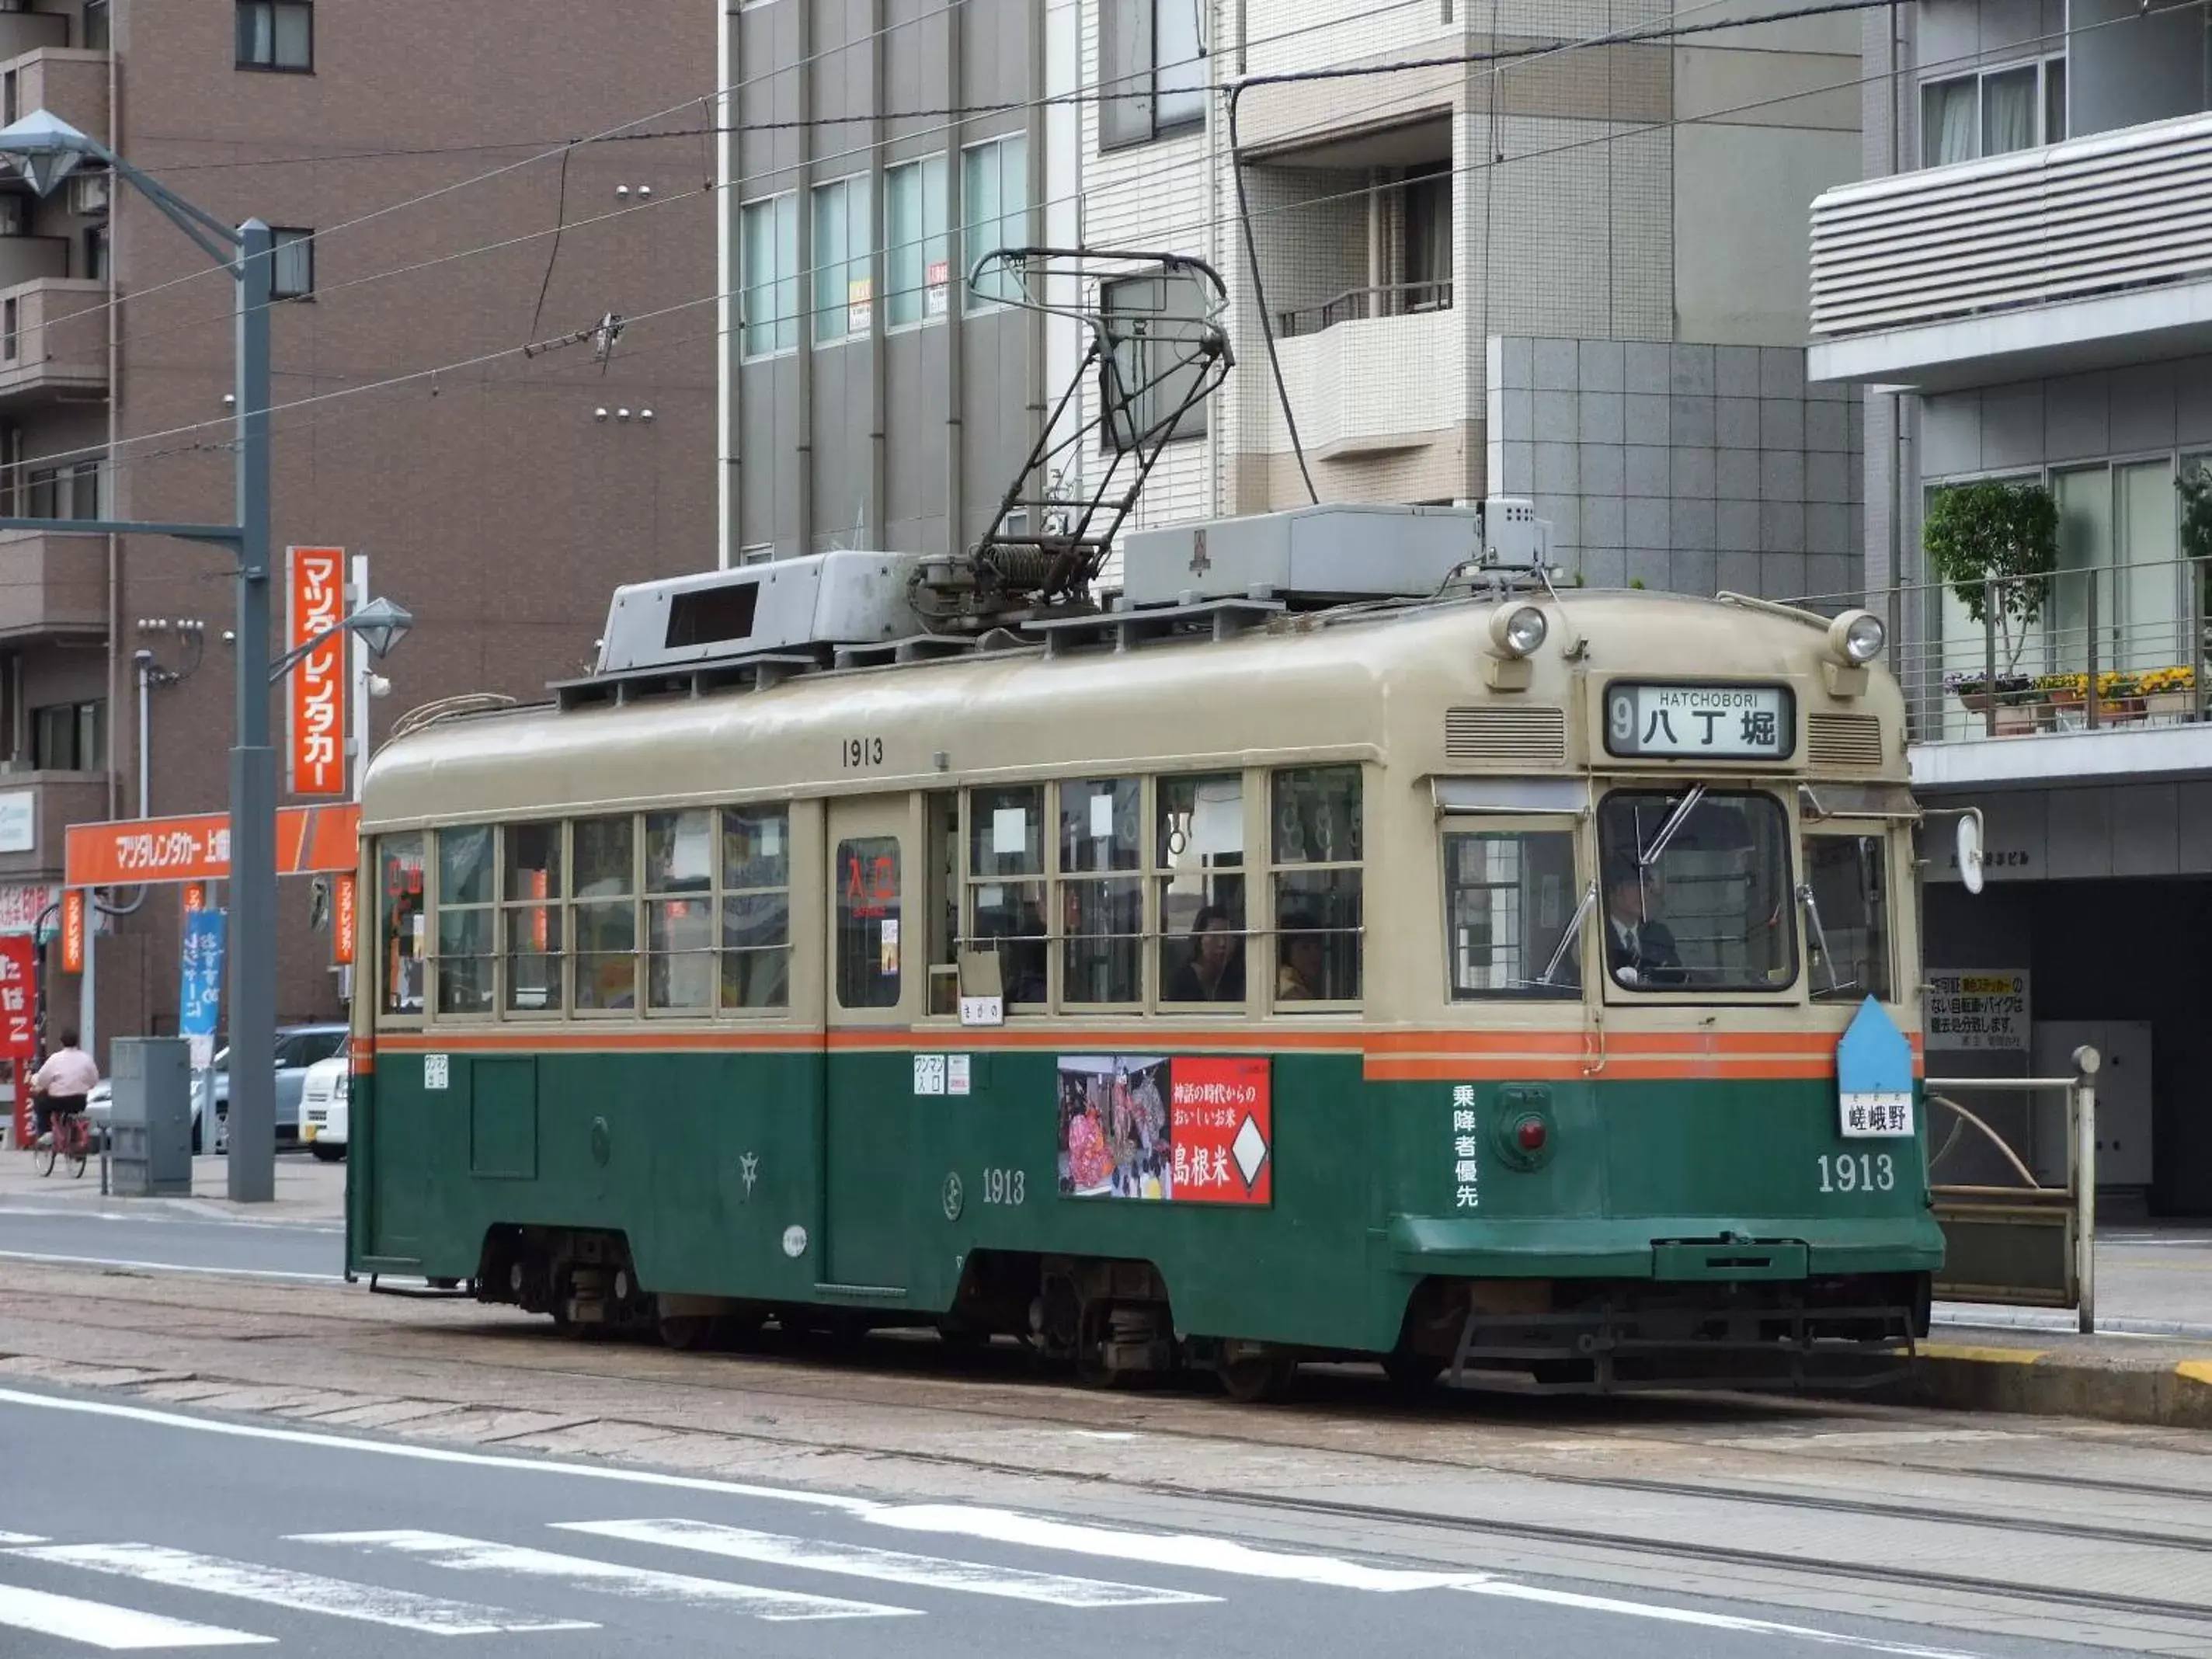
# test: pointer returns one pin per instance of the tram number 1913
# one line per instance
(1860, 1172)
(1005, 1186)
(861, 751)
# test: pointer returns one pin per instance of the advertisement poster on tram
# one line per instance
(1190, 1129)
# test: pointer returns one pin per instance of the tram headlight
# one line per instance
(1517, 632)
(1856, 637)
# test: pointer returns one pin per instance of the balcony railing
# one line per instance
(1361, 304)
(2109, 647)
(2091, 217)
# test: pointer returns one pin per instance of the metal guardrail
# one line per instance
(2089, 217)
(1359, 304)
(2004, 1229)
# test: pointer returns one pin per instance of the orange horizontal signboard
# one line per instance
(310, 840)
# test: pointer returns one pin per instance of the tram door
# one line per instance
(877, 970)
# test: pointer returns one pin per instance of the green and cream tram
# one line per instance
(1432, 967)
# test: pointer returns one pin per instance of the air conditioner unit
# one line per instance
(89, 192)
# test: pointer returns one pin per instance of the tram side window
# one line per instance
(1102, 892)
(1315, 814)
(679, 911)
(530, 919)
(1201, 863)
(604, 912)
(1850, 881)
(867, 874)
(1005, 886)
(466, 959)
(1508, 895)
(400, 922)
(756, 908)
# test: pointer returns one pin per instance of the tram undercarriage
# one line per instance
(1110, 1324)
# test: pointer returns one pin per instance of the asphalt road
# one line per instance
(128, 1527)
(167, 1241)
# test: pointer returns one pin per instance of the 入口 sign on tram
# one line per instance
(1978, 1010)
(1712, 722)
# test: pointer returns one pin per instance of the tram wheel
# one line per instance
(1257, 1379)
(685, 1332)
(1412, 1373)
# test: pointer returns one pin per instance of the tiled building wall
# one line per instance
(1685, 466)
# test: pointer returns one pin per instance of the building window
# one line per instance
(70, 737)
(292, 273)
(1993, 113)
(14, 216)
(844, 286)
(918, 275)
(95, 25)
(275, 34)
(994, 186)
(96, 263)
(1156, 326)
(756, 553)
(42, 494)
(768, 240)
(1428, 192)
(11, 331)
(1154, 71)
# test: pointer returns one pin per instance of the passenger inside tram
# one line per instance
(1213, 971)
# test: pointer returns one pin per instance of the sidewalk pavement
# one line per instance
(308, 1191)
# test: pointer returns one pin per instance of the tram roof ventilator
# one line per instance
(1022, 587)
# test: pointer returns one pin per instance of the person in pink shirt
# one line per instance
(61, 1083)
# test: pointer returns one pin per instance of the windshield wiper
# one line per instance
(1668, 830)
(1820, 937)
(1573, 932)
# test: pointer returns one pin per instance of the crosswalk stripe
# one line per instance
(119, 1630)
(891, 1567)
(247, 1581)
(1195, 1551)
(20, 1537)
(479, 1555)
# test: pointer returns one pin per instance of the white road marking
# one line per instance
(1188, 1550)
(421, 1454)
(478, 1555)
(119, 1630)
(280, 1587)
(20, 1537)
(891, 1567)
(44, 1259)
(1707, 1621)
(211, 1214)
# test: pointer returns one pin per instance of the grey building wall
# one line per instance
(2032, 424)
(903, 437)
(1686, 466)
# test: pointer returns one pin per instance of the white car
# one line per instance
(325, 1107)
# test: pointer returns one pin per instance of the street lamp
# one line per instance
(380, 623)
(46, 149)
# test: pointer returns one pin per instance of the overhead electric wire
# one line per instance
(1722, 115)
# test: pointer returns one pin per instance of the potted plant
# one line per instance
(1974, 688)
(2169, 692)
(1995, 546)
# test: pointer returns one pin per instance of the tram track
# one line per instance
(428, 1343)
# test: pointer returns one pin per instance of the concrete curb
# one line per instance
(2159, 1390)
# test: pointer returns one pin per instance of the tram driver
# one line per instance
(1639, 946)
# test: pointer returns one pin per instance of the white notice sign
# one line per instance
(929, 1074)
(1978, 1010)
(959, 1073)
(19, 821)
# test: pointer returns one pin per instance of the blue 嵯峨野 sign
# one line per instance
(1874, 1075)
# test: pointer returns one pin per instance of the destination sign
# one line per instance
(1707, 722)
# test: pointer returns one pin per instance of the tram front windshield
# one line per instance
(1694, 890)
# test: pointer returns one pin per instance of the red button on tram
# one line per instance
(1530, 1134)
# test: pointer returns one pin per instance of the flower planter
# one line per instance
(1975, 702)
(2168, 705)
(2017, 719)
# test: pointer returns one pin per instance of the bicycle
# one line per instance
(69, 1136)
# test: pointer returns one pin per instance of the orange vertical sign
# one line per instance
(195, 896)
(315, 601)
(341, 920)
(72, 931)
